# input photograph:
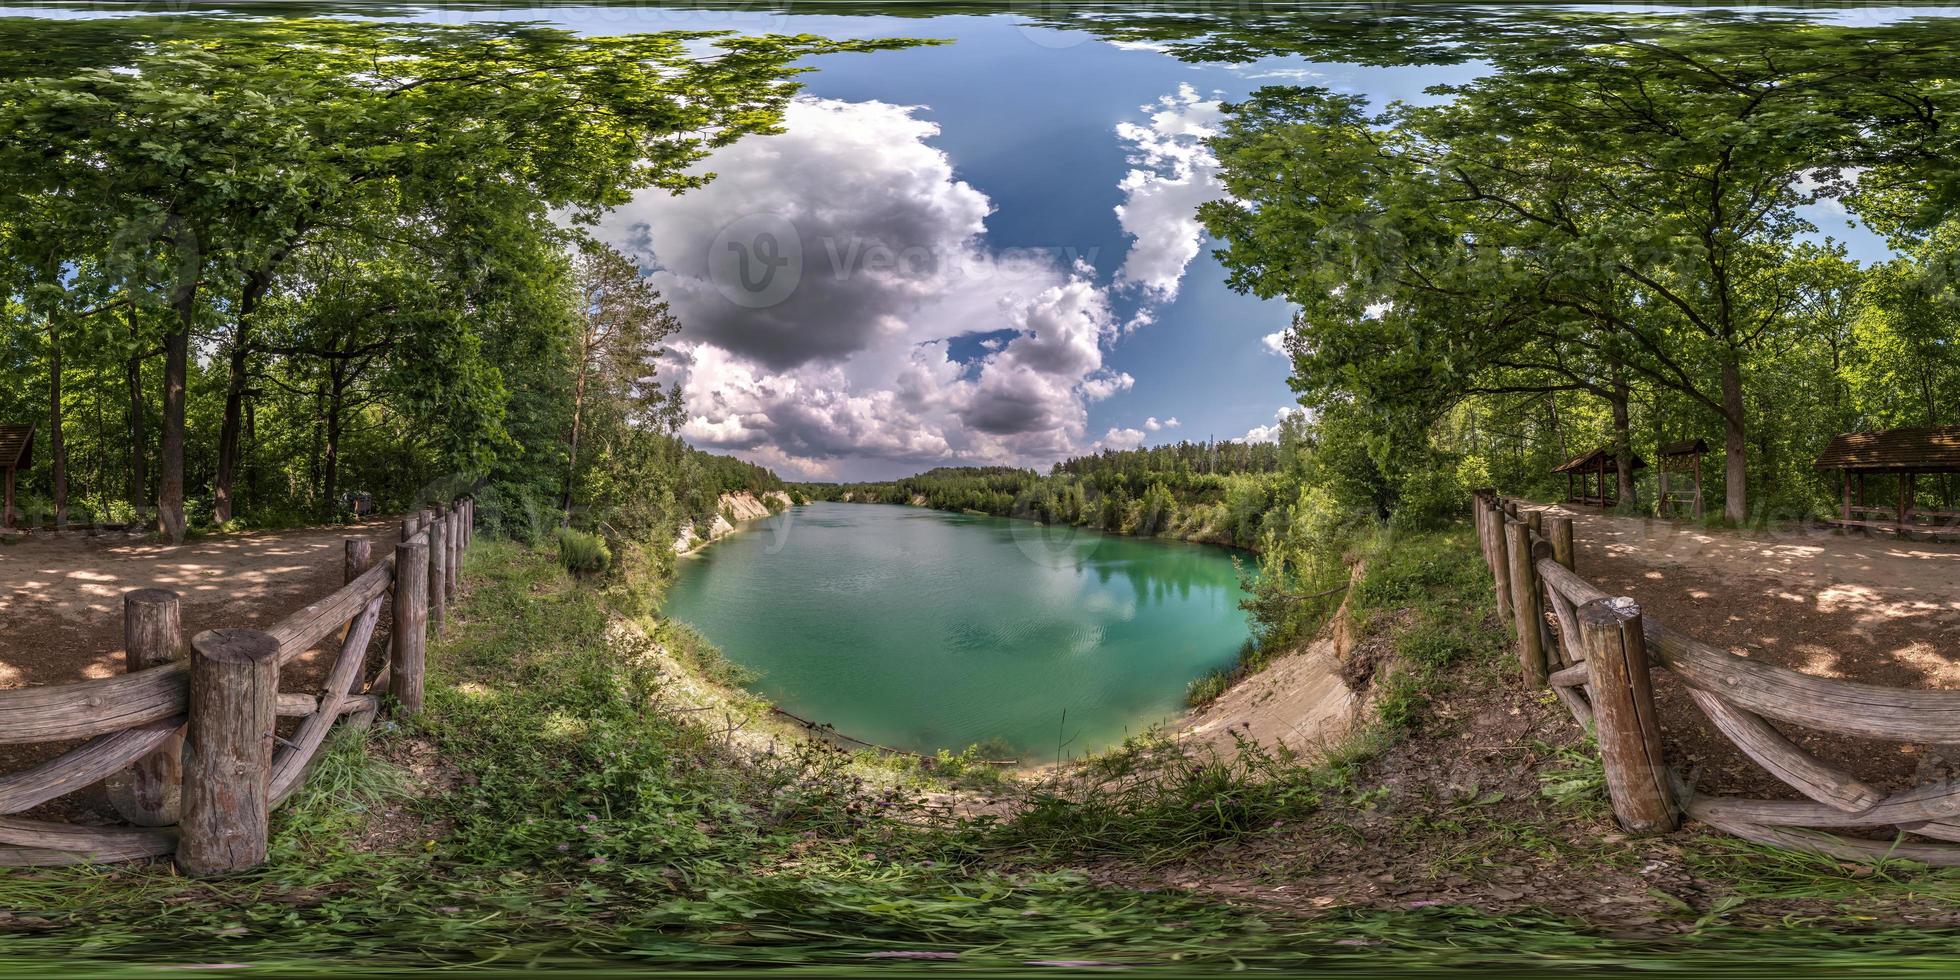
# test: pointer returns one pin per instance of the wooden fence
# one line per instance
(188, 740)
(1597, 652)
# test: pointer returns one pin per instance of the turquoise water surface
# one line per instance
(923, 630)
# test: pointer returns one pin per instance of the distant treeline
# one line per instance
(1216, 492)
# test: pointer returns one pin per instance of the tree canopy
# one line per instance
(1614, 214)
(267, 261)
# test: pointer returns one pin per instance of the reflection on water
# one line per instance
(923, 630)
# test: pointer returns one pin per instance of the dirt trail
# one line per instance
(1877, 610)
(61, 598)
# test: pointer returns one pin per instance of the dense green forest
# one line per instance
(1217, 492)
(251, 269)
(1624, 235)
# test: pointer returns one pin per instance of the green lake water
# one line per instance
(923, 630)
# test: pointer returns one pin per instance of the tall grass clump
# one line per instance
(583, 554)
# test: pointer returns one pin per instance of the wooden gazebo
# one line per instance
(1597, 465)
(1903, 454)
(1682, 457)
(16, 454)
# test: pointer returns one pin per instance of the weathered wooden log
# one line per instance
(1708, 811)
(292, 705)
(1524, 603)
(290, 763)
(408, 657)
(1558, 528)
(300, 631)
(1535, 519)
(99, 758)
(1576, 590)
(1623, 710)
(411, 524)
(1849, 707)
(86, 709)
(227, 807)
(1574, 699)
(1577, 675)
(149, 793)
(37, 843)
(359, 556)
(1785, 760)
(1937, 802)
(438, 574)
(1500, 566)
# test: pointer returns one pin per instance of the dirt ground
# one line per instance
(61, 597)
(1872, 609)
(1456, 813)
(61, 609)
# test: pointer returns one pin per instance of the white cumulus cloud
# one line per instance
(1270, 433)
(852, 371)
(1172, 172)
(1120, 439)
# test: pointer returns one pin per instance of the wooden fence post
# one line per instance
(149, 792)
(1559, 530)
(1500, 563)
(454, 534)
(234, 692)
(410, 627)
(1525, 603)
(1535, 520)
(359, 556)
(411, 524)
(438, 572)
(1629, 732)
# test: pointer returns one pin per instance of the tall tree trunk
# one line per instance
(578, 412)
(176, 371)
(57, 450)
(330, 459)
(235, 384)
(1623, 435)
(319, 435)
(139, 478)
(250, 453)
(1735, 432)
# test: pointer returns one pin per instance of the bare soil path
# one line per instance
(1872, 609)
(61, 597)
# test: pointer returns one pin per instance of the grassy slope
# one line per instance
(550, 810)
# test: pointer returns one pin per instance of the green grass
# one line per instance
(1430, 594)
(583, 553)
(552, 810)
(571, 819)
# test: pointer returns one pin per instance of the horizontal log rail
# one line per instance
(133, 728)
(1740, 697)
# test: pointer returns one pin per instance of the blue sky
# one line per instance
(1030, 120)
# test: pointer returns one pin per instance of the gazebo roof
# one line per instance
(1598, 459)
(16, 446)
(1928, 449)
(1686, 447)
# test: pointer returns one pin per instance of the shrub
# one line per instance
(583, 554)
(1204, 690)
